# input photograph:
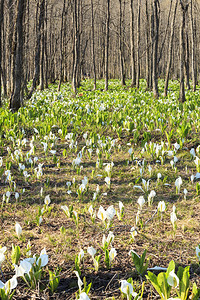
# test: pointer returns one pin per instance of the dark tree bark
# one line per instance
(187, 62)
(170, 50)
(15, 101)
(121, 46)
(10, 43)
(132, 41)
(152, 46)
(37, 47)
(42, 46)
(155, 48)
(61, 46)
(193, 49)
(1, 22)
(45, 50)
(93, 45)
(147, 34)
(76, 44)
(27, 36)
(184, 7)
(138, 46)
(3, 53)
(81, 46)
(107, 43)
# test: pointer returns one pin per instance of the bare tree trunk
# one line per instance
(184, 8)
(93, 50)
(45, 49)
(3, 58)
(42, 47)
(107, 44)
(138, 46)
(65, 50)
(10, 42)
(121, 44)
(165, 35)
(152, 47)
(193, 50)
(155, 49)
(187, 63)
(3, 63)
(13, 41)
(170, 50)
(51, 47)
(27, 47)
(133, 71)
(37, 48)
(61, 46)
(15, 101)
(76, 45)
(80, 51)
(147, 46)
(1, 22)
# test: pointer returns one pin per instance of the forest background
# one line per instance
(43, 41)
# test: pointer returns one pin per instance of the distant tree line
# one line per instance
(44, 41)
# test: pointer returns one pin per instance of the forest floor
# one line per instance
(63, 236)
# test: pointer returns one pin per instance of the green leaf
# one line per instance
(170, 268)
(154, 281)
(143, 257)
(77, 267)
(15, 255)
(195, 293)
(184, 282)
(54, 280)
(164, 286)
(136, 260)
(139, 262)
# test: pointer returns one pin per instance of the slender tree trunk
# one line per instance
(42, 47)
(165, 35)
(76, 45)
(107, 44)
(10, 43)
(170, 50)
(187, 63)
(1, 22)
(138, 46)
(37, 48)
(133, 70)
(65, 46)
(121, 44)
(27, 48)
(15, 101)
(155, 49)
(61, 46)
(13, 37)
(152, 47)
(45, 49)
(184, 8)
(147, 33)
(80, 51)
(193, 49)
(3, 58)
(93, 46)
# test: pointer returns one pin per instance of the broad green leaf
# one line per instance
(154, 281)
(170, 268)
(164, 286)
(184, 282)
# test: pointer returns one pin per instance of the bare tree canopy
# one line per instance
(69, 40)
